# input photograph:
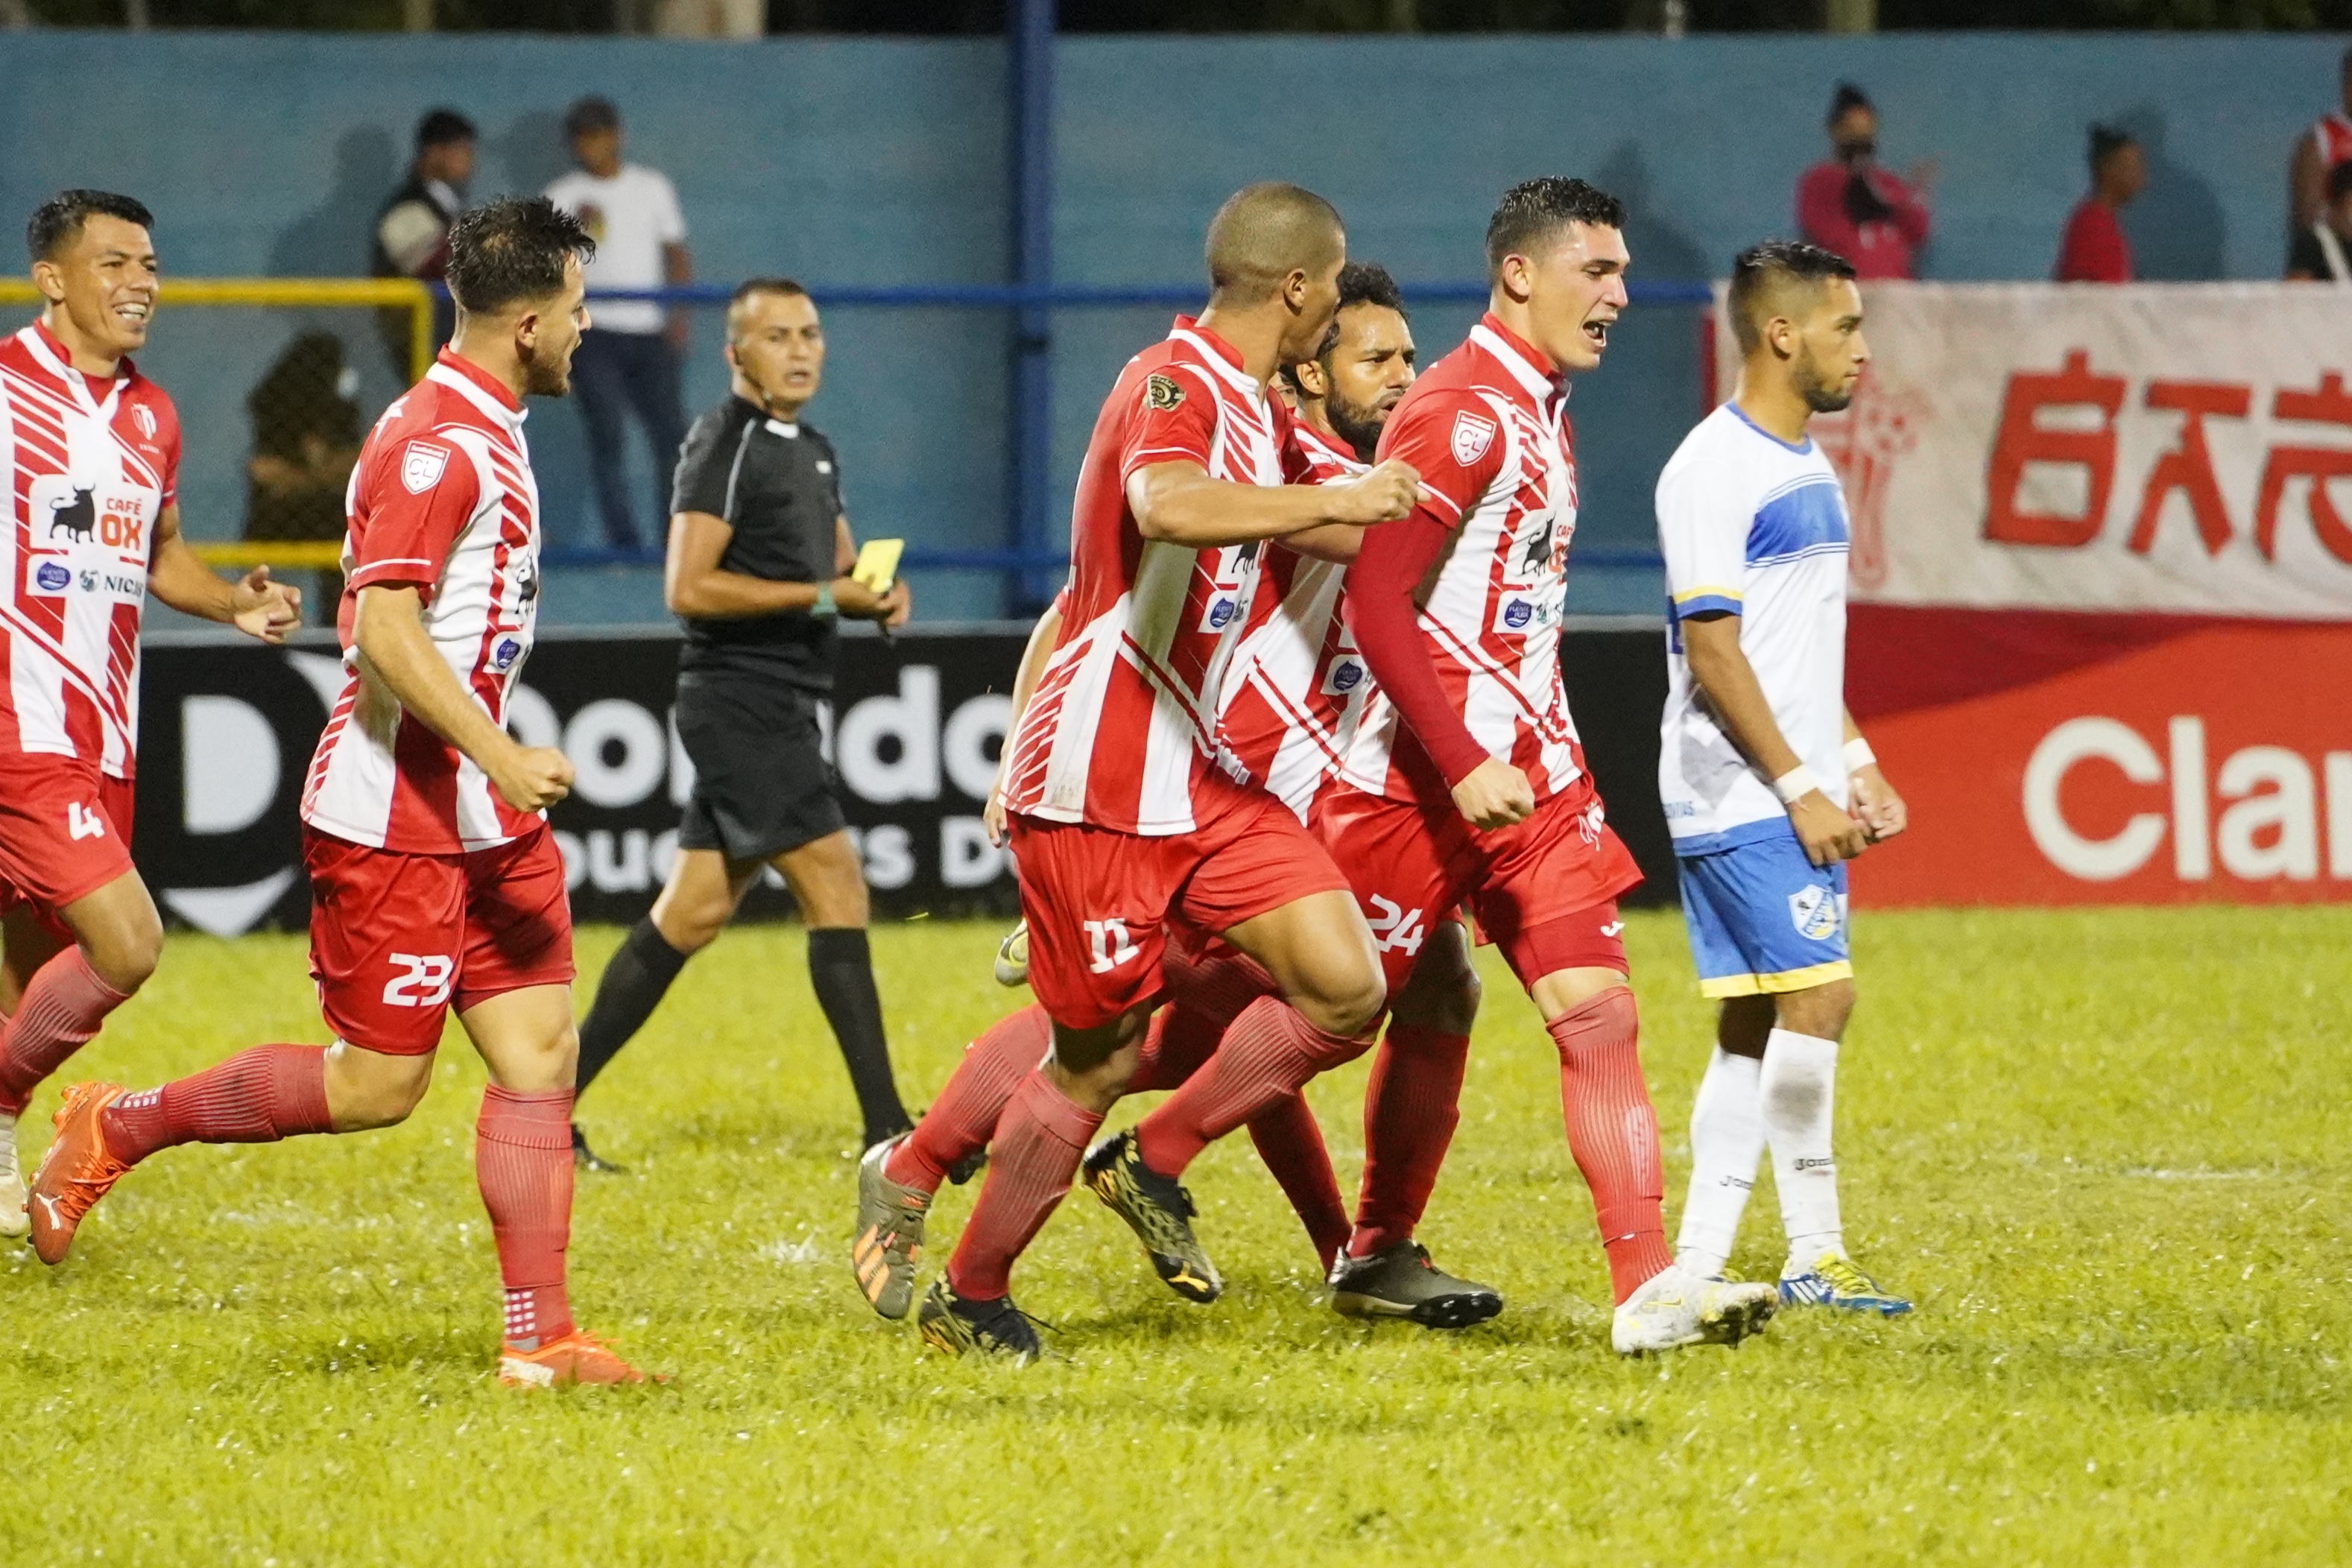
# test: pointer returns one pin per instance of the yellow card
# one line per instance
(877, 563)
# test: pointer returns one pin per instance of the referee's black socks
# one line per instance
(841, 968)
(626, 997)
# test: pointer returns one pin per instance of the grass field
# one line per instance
(2106, 1153)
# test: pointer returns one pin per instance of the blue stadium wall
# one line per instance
(875, 162)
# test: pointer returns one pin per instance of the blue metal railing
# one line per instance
(1029, 558)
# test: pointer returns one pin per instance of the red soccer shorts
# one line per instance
(65, 832)
(397, 939)
(1099, 902)
(1544, 890)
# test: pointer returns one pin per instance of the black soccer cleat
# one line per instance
(1401, 1281)
(584, 1158)
(1159, 1210)
(960, 1327)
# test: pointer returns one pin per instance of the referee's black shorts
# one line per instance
(761, 785)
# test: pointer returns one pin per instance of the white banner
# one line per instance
(2147, 446)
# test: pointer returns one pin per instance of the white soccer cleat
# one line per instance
(1012, 957)
(1677, 1308)
(13, 1221)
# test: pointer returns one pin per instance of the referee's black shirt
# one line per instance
(777, 485)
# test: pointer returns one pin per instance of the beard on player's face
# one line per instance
(1356, 424)
(1824, 391)
(546, 372)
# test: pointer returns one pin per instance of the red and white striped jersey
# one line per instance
(1297, 687)
(91, 465)
(1486, 429)
(442, 500)
(2331, 134)
(1121, 730)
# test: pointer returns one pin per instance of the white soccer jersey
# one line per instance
(1753, 526)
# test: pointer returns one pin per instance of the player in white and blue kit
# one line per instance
(1768, 786)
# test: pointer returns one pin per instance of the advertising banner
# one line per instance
(228, 728)
(2102, 583)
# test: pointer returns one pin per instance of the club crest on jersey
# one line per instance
(144, 417)
(421, 466)
(1813, 911)
(1161, 392)
(1472, 436)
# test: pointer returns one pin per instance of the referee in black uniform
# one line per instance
(759, 556)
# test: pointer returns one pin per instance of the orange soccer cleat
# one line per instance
(76, 1171)
(576, 1357)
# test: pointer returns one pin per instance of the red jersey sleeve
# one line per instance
(1454, 442)
(167, 436)
(416, 497)
(1176, 423)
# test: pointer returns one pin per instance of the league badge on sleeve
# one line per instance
(1471, 436)
(1162, 393)
(421, 466)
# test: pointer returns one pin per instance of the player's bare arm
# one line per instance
(1880, 810)
(253, 604)
(1179, 503)
(1712, 645)
(1041, 638)
(1332, 542)
(396, 654)
(694, 584)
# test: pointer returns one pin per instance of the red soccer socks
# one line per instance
(257, 1096)
(1291, 1144)
(522, 1163)
(1412, 1105)
(1270, 1052)
(1039, 1142)
(1613, 1131)
(62, 1007)
(964, 1118)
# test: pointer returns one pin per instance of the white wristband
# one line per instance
(1795, 785)
(1858, 755)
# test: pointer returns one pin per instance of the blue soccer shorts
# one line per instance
(1763, 919)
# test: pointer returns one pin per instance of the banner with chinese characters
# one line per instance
(2102, 580)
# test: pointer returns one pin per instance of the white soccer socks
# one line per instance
(1726, 1134)
(1797, 1089)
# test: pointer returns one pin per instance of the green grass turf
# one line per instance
(2106, 1152)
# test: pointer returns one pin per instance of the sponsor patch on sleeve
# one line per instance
(1163, 393)
(422, 464)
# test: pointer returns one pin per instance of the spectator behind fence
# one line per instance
(2095, 249)
(2318, 254)
(1872, 216)
(411, 229)
(306, 437)
(630, 354)
(2318, 152)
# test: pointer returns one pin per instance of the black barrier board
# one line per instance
(226, 732)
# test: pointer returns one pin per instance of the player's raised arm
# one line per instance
(1179, 503)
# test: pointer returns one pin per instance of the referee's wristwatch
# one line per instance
(825, 605)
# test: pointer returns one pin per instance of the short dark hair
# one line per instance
(2106, 141)
(511, 250)
(57, 222)
(1760, 270)
(1846, 98)
(1532, 209)
(590, 113)
(1360, 283)
(442, 126)
(753, 287)
(2339, 182)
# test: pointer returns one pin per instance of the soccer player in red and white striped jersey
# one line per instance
(435, 882)
(90, 451)
(1470, 785)
(1121, 822)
